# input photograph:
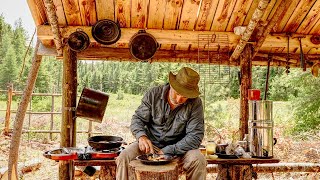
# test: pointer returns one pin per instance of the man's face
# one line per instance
(176, 98)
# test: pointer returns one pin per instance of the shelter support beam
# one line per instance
(258, 13)
(246, 82)
(69, 95)
(275, 18)
(53, 19)
(17, 129)
(179, 37)
(175, 56)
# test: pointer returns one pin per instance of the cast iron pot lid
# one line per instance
(106, 32)
(143, 45)
(78, 41)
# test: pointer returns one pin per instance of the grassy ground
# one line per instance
(221, 117)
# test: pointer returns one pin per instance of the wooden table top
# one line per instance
(242, 161)
(94, 162)
(103, 162)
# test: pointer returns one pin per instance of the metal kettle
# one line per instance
(261, 139)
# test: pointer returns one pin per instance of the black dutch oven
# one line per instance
(78, 41)
(105, 142)
(106, 32)
(143, 45)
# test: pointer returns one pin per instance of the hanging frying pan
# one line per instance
(143, 45)
(78, 41)
(106, 32)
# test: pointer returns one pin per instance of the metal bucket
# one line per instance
(92, 104)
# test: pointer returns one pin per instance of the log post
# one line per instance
(139, 171)
(69, 97)
(246, 81)
(17, 128)
(108, 172)
(239, 172)
(8, 111)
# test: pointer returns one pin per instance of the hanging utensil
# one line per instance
(302, 60)
(143, 45)
(106, 32)
(315, 69)
(288, 54)
(267, 79)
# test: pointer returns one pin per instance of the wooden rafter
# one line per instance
(54, 25)
(249, 30)
(280, 10)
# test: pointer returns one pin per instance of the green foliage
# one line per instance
(120, 94)
(41, 103)
(302, 90)
(283, 88)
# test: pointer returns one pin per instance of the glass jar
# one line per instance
(211, 147)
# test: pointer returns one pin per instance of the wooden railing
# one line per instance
(11, 93)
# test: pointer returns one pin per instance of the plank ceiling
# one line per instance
(179, 24)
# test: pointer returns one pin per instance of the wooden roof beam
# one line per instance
(184, 37)
(175, 56)
(249, 30)
(275, 18)
(162, 36)
(53, 20)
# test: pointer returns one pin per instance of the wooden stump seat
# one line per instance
(139, 171)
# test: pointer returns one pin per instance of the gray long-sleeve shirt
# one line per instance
(175, 131)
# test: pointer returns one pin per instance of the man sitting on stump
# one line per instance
(170, 118)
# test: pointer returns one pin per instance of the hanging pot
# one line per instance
(143, 45)
(106, 32)
(78, 41)
(92, 104)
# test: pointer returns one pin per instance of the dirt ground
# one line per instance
(287, 149)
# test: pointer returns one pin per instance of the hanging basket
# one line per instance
(143, 45)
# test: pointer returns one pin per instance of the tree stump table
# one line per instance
(238, 169)
(107, 170)
(139, 171)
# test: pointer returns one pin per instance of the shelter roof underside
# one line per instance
(198, 31)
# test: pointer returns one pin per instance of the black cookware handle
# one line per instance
(275, 141)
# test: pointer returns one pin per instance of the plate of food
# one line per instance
(227, 156)
(154, 159)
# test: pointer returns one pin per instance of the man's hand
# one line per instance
(145, 145)
(160, 152)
